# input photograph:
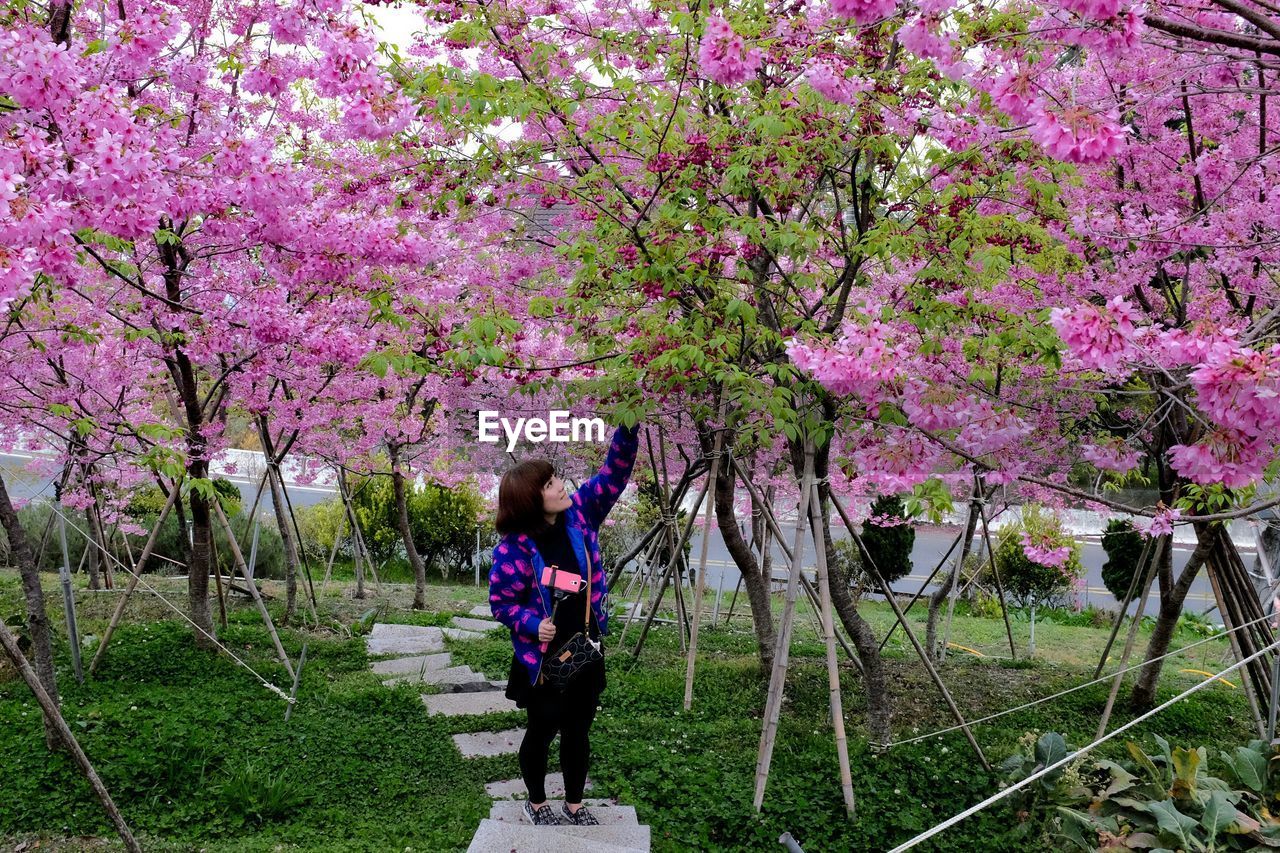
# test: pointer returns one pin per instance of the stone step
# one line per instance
(462, 634)
(513, 789)
(500, 837)
(470, 624)
(404, 639)
(481, 610)
(474, 686)
(489, 744)
(411, 665)
(510, 811)
(461, 704)
(447, 675)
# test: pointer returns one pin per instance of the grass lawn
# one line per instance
(198, 756)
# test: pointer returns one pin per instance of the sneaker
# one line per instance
(582, 817)
(542, 816)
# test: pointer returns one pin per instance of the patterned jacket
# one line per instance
(516, 595)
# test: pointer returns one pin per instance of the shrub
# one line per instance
(1028, 582)
(442, 521)
(1123, 545)
(889, 546)
(320, 525)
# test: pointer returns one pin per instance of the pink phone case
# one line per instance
(558, 578)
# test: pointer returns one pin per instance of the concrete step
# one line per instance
(500, 837)
(510, 811)
(471, 624)
(488, 744)
(447, 675)
(462, 704)
(404, 640)
(462, 634)
(411, 665)
(513, 789)
(482, 611)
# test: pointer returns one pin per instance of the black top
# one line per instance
(570, 617)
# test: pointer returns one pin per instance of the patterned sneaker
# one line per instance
(582, 817)
(541, 816)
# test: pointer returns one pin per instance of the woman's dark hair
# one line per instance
(520, 497)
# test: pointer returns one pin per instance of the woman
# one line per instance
(542, 525)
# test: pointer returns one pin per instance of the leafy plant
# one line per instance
(256, 795)
(1123, 545)
(889, 546)
(1026, 581)
(1166, 800)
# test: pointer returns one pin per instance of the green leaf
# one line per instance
(1174, 823)
(1186, 764)
(1249, 767)
(1050, 749)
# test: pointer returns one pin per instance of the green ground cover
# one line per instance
(198, 755)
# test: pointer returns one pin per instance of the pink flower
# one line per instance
(832, 86)
(722, 55)
(1100, 337)
(1044, 552)
(1227, 456)
(1161, 525)
(1078, 135)
(864, 11)
(1094, 10)
(1240, 388)
(1110, 455)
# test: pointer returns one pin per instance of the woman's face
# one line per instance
(555, 498)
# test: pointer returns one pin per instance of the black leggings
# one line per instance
(570, 713)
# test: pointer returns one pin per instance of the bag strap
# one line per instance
(586, 617)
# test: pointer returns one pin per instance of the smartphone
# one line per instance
(562, 579)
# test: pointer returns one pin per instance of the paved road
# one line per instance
(931, 543)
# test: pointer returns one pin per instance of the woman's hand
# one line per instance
(546, 631)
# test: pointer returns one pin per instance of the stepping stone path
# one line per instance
(419, 657)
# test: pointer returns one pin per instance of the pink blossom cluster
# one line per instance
(886, 520)
(1094, 10)
(1239, 388)
(1078, 135)
(723, 57)
(1161, 525)
(865, 362)
(864, 11)
(1101, 338)
(1110, 454)
(1044, 552)
(1226, 456)
(831, 85)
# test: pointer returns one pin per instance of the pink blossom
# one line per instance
(722, 54)
(1044, 552)
(1161, 525)
(1078, 135)
(1100, 337)
(864, 11)
(833, 86)
(1240, 388)
(1094, 10)
(1110, 455)
(1226, 456)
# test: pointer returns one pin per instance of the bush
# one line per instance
(1027, 582)
(889, 546)
(320, 525)
(1123, 545)
(442, 521)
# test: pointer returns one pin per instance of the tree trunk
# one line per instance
(37, 617)
(200, 565)
(286, 539)
(756, 583)
(933, 643)
(406, 532)
(1172, 596)
(94, 540)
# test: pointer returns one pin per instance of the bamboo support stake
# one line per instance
(702, 565)
(54, 717)
(1139, 571)
(253, 590)
(1157, 553)
(995, 571)
(911, 635)
(833, 670)
(1235, 641)
(782, 649)
(134, 577)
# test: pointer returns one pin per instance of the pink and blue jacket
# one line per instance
(517, 598)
